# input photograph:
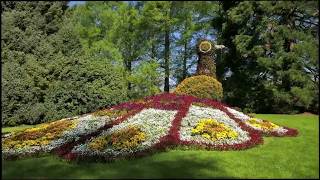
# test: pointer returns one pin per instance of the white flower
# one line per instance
(279, 130)
(196, 113)
(154, 123)
(84, 125)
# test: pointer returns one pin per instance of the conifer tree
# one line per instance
(272, 54)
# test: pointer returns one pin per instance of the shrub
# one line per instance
(201, 86)
(206, 66)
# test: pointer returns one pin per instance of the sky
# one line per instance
(73, 3)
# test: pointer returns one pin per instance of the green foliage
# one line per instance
(91, 84)
(200, 86)
(46, 73)
(59, 61)
(273, 55)
(145, 80)
(119, 35)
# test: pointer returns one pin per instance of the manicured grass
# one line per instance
(278, 157)
(16, 128)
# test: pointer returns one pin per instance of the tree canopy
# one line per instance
(59, 61)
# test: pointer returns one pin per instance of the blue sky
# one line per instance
(72, 3)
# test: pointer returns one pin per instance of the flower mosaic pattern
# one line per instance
(147, 125)
(195, 117)
(263, 126)
(213, 130)
(152, 123)
(52, 135)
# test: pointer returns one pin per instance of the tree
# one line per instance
(46, 72)
(25, 52)
(267, 56)
(145, 80)
(193, 24)
(160, 14)
(115, 27)
(185, 28)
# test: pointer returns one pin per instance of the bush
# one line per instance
(80, 88)
(88, 86)
(201, 86)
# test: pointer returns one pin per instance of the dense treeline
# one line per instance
(46, 72)
(59, 61)
(273, 57)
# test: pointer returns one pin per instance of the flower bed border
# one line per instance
(165, 101)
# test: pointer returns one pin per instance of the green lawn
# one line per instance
(285, 157)
(17, 128)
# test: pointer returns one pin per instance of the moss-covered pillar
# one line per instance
(206, 63)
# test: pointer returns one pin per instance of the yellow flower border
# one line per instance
(213, 130)
(264, 125)
(119, 140)
(28, 137)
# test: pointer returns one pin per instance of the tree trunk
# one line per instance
(153, 51)
(166, 58)
(184, 71)
(129, 65)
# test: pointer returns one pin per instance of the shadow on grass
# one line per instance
(163, 166)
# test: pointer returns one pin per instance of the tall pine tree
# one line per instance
(272, 55)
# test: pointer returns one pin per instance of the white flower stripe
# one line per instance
(84, 125)
(196, 113)
(154, 123)
(280, 130)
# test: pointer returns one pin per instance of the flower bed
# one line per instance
(265, 127)
(50, 136)
(199, 117)
(33, 140)
(147, 127)
(136, 128)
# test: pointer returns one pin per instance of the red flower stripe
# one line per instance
(170, 101)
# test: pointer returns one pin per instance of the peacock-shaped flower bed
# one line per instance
(138, 128)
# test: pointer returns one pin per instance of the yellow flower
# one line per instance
(194, 131)
(206, 136)
(213, 130)
(98, 143)
(264, 125)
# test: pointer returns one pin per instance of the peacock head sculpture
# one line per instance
(206, 63)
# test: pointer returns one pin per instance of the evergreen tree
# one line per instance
(25, 52)
(46, 73)
(272, 46)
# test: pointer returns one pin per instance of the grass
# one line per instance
(16, 128)
(285, 157)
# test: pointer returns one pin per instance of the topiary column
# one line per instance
(204, 84)
(206, 63)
